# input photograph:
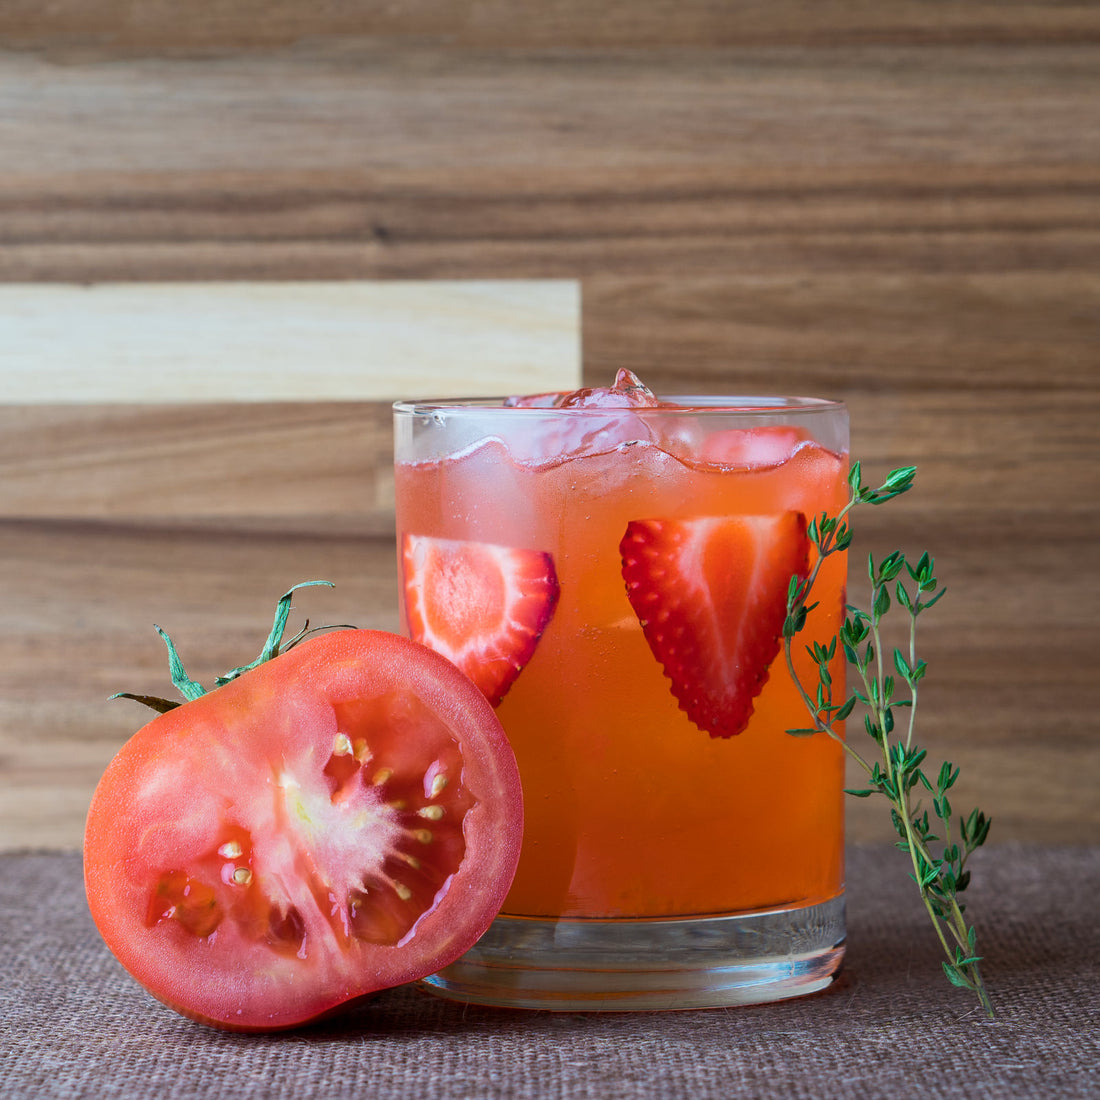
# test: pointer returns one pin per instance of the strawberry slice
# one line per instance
(482, 606)
(711, 595)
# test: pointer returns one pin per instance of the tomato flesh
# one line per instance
(342, 819)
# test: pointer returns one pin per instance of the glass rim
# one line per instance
(671, 405)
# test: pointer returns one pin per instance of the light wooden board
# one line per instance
(124, 343)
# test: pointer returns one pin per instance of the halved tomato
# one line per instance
(343, 818)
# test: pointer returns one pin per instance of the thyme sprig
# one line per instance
(883, 690)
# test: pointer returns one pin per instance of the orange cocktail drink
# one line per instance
(613, 572)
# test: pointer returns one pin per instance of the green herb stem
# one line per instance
(940, 879)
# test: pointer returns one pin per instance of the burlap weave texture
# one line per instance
(73, 1024)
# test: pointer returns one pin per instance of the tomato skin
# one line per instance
(344, 818)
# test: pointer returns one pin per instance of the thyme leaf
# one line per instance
(897, 584)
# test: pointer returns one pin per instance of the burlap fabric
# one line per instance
(73, 1024)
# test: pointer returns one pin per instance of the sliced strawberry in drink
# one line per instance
(711, 595)
(482, 606)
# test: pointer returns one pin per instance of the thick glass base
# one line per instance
(633, 965)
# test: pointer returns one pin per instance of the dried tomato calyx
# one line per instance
(192, 689)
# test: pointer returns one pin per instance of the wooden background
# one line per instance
(891, 203)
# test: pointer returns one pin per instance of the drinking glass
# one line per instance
(681, 848)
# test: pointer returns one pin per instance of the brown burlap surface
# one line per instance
(73, 1024)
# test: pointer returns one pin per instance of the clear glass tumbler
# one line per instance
(615, 578)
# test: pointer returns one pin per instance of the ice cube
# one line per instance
(586, 422)
(627, 392)
(752, 448)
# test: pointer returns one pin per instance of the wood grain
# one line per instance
(80, 628)
(897, 204)
(176, 343)
(219, 26)
(319, 463)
